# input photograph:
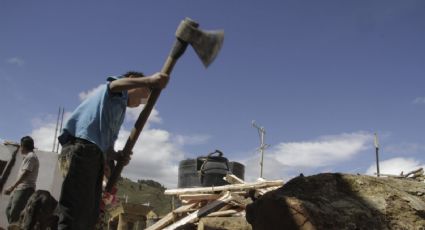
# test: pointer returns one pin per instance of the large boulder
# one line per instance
(341, 201)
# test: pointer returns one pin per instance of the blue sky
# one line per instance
(320, 76)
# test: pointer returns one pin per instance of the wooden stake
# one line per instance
(169, 217)
(201, 212)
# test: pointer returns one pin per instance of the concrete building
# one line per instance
(49, 176)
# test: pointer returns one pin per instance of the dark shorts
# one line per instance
(82, 186)
(18, 201)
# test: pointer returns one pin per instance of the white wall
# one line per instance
(49, 177)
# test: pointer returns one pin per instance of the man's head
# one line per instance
(27, 144)
(131, 74)
(136, 96)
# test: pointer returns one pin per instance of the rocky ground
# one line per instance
(326, 201)
(341, 201)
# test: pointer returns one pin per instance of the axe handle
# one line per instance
(178, 49)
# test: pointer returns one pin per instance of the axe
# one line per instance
(206, 44)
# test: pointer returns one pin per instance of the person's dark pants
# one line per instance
(17, 203)
(82, 186)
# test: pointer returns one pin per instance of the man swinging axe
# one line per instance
(89, 134)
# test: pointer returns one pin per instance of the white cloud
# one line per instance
(44, 137)
(43, 132)
(395, 166)
(192, 140)
(156, 154)
(87, 94)
(419, 100)
(272, 169)
(324, 151)
(133, 114)
(287, 160)
(16, 61)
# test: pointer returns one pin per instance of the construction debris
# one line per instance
(205, 206)
(417, 175)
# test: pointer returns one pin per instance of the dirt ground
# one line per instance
(341, 201)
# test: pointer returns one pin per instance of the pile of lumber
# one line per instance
(220, 201)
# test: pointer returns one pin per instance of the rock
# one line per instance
(340, 201)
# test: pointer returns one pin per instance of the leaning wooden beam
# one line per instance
(232, 187)
(202, 212)
(233, 179)
(166, 220)
(225, 207)
(415, 173)
(9, 166)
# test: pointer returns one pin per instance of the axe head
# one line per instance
(207, 44)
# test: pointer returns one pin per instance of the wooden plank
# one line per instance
(268, 189)
(202, 212)
(179, 212)
(232, 179)
(197, 197)
(232, 187)
(166, 220)
(240, 201)
(390, 175)
(223, 213)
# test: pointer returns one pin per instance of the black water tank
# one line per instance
(213, 169)
(237, 169)
(188, 174)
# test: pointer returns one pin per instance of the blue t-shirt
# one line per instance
(98, 119)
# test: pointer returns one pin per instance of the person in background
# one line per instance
(88, 139)
(24, 186)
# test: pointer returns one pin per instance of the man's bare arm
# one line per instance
(157, 80)
(20, 179)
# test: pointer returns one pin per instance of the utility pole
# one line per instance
(261, 133)
(63, 111)
(56, 131)
(377, 154)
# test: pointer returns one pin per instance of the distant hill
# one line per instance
(145, 192)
